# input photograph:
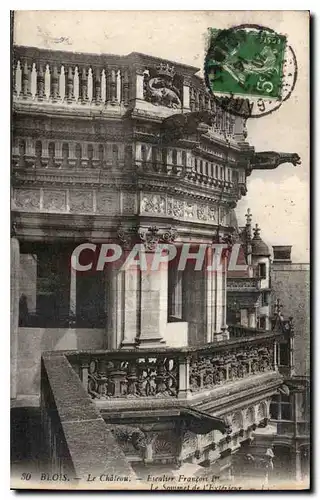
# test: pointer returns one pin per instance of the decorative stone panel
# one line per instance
(27, 199)
(128, 202)
(81, 201)
(107, 202)
(55, 200)
(153, 203)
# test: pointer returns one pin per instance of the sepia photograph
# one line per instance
(160, 262)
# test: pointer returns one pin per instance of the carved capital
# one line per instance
(151, 236)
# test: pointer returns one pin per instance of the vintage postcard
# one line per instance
(160, 282)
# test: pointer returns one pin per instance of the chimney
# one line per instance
(282, 254)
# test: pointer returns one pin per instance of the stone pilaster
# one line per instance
(14, 312)
(153, 307)
(139, 84)
(122, 307)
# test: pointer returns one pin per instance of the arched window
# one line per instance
(115, 154)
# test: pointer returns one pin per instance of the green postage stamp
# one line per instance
(250, 62)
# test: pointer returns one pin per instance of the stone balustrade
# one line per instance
(174, 373)
(70, 78)
(106, 82)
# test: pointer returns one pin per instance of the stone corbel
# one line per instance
(133, 435)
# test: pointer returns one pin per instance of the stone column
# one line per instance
(14, 312)
(122, 307)
(210, 298)
(186, 94)
(73, 293)
(153, 306)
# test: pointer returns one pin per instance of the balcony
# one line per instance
(102, 85)
(196, 386)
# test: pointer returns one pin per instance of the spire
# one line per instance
(256, 232)
(248, 216)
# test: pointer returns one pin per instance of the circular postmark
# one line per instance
(249, 69)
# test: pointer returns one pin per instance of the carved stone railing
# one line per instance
(172, 373)
(69, 78)
(247, 284)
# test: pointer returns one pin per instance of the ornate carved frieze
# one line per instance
(190, 210)
(54, 200)
(202, 213)
(81, 201)
(175, 208)
(27, 199)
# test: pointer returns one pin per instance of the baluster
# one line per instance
(125, 87)
(132, 378)
(69, 84)
(83, 85)
(54, 84)
(26, 92)
(96, 86)
(102, 380)
(160, 378)
(111, 87)
(40, 87)
(85, 373)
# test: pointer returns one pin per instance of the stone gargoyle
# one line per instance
(268, 160)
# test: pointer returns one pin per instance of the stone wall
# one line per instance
(32, 342)
(291, 284)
